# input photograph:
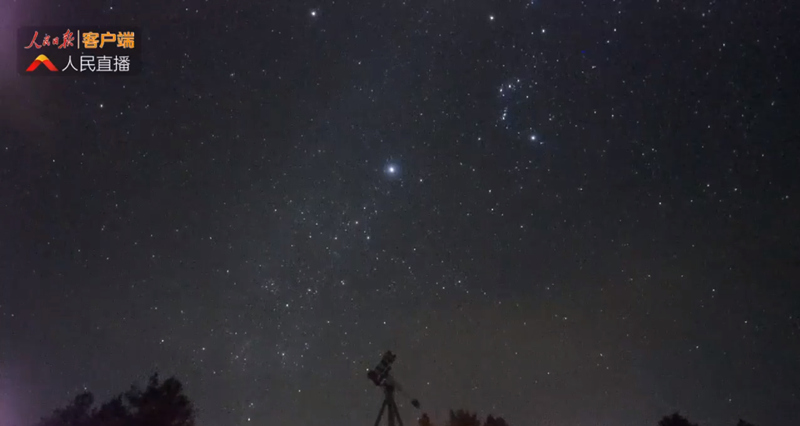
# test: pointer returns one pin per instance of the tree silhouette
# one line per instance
(112, 413)
(463, 418)
(744, 423)
(77, 413)
(495, 421)
(675, 420)
(159, 404)
(425, 420)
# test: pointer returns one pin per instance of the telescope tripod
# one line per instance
(390, 406)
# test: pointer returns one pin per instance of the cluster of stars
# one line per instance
(517, 108)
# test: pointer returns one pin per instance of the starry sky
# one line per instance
(562, 212)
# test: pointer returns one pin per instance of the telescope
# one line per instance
(380, 377)
(381, 372)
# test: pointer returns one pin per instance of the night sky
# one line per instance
(562, 212)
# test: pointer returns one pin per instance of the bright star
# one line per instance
(392, 170)
(313, 13)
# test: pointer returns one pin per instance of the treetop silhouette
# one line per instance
(464, 418)
(159, 404)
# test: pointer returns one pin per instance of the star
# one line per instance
(391, 170)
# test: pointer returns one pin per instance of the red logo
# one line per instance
(41, 59)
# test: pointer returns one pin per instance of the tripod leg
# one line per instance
(380, 413)
(396, 413)
(391, 413)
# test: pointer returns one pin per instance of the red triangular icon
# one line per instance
(41, 59)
